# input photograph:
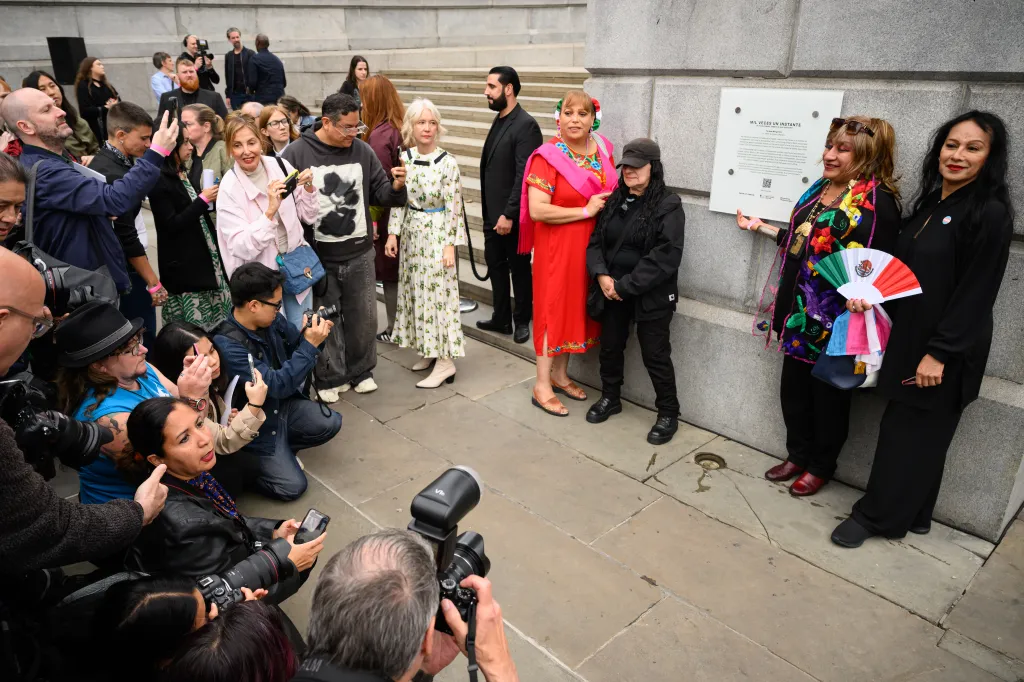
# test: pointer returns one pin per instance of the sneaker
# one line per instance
(329, 395)
(385, 337)
(366, 386)
(344, 388)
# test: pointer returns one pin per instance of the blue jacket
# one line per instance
(72, 212)
(264, 76)
(281, 354)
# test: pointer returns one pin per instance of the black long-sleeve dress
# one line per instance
(959, 259)
(92, 105)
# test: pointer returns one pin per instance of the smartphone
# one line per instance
(195, 349)
(252, 369)
(290, 183)
(313, 526)
(172, 107)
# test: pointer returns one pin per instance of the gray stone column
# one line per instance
(657, 68)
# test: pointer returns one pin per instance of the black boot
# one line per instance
(602, 409)
(850, 534)
(492, 326)
(663, 430)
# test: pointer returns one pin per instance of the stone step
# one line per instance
(469, 166)
(471, 190)
(538, 106)
(463, 146)
(476, 87)
(569, 77)
(478, 129)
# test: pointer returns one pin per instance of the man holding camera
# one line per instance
(373, 617)
(38, 529)
(198, 51)
(189, 92)
(285, 357)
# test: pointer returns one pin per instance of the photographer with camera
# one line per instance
(198, 51)
(37, 527)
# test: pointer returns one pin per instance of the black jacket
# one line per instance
(502, 164)
(207, 77)
(200, 96)
(229, 70)
(264, 77)
(92, 106)
(183, 256)
(107, 163)
(652, 283)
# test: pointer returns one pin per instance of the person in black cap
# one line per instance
(634, 255)
(103, 376)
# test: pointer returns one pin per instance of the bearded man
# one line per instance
(189, 92)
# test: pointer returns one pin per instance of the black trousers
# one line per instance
(907, 471)
(655, 348)
(817, 418)
(503, 259)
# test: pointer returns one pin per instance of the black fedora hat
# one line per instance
(92, 332)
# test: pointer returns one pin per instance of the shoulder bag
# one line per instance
(300, 266)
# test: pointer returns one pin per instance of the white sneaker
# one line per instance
(330, 395)
(344, 388)
(366, 386)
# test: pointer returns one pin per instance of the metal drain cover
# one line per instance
(710, 461)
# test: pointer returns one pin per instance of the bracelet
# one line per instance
(258, 407)
(585, 214)
(754, 222)
(155, 288)
(162, 151)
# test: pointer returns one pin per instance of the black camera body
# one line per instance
(203, 46)
(260, 570)
(325, 312)
(43, 433)
(436, 512)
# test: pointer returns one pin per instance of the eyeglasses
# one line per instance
(853, 127)
(40, 325)
(275, 306)
(279, 123)
(133, 347)
(357, 130)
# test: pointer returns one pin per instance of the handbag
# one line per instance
(65, 281)
(595, 294)
(301, 267)
(838, 371)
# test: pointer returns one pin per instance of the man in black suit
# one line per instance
(235, 64)
(264, 76)
(189, 92)
(514, 135)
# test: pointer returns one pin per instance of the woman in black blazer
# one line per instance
(957, 243)
(95, 95)
(190, 265)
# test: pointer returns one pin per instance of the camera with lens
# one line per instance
(43, 433)
(323, 312)
(436, 512)
(204, 48)
(60, 298)
(261, 570)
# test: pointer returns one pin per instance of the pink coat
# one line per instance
(244, 233)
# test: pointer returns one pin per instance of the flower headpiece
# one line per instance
(597, 112)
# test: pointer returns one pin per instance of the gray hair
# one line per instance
(232, 30)
(373, 603)
(412, 113)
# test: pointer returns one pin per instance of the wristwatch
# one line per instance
(197, 405)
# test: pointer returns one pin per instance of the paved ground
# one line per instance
(614, 559)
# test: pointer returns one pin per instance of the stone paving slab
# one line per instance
(574, 493)
(674, 641)
(620, 443)
(992, 611)
(820, 623)
(532, 664)
(924, 574)
(567, 597)
(1000, 665)
(397, 393)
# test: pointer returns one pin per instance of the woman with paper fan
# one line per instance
(957, 243)
(854, 204)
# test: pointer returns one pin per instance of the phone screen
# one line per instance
(172, 107)
(252, 369)
(313, 526)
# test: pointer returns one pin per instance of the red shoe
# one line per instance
(783, 472)
(807, 484)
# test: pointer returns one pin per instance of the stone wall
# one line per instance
(658, 68)
(126, 33)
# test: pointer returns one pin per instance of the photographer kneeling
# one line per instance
(200, 531)
(373, 617)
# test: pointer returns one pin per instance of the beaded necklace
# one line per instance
(581, 160)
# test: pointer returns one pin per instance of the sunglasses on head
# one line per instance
(853, 127)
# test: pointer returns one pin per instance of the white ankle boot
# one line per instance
(423, 364)
(444, 373)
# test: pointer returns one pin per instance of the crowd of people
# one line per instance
(274, 227)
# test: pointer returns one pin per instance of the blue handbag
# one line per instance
(301, 267)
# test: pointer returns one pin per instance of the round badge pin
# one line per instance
(947, 220)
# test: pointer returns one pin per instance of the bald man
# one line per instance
(253, 109)
(73, 211)
(39, 529)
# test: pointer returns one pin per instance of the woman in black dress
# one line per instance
(95, 95)
(957, 243)
(358, 71)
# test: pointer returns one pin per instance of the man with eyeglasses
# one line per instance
(38, 528)
(104, 376)
(348, 177)
(285, 357)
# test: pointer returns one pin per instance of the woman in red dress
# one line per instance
(567, 181)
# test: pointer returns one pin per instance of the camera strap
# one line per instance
(471, 643)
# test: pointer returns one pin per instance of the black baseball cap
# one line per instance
(639, 152)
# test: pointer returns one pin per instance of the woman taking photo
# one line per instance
(956, 242)
(634, 254)
(854, 204)
(205, 130)
(430, 226)
(268, 224)
(358, 72)
(82, 144)
(383, 112)
(190, 266)
(200, 531)
(568, 180)
(298, 113)
(277, 129)
(95, 95)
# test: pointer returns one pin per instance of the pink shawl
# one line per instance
(582, 180)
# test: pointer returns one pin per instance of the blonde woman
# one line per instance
(430, 226)
(205, 130)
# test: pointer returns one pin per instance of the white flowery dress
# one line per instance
(428, 318)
